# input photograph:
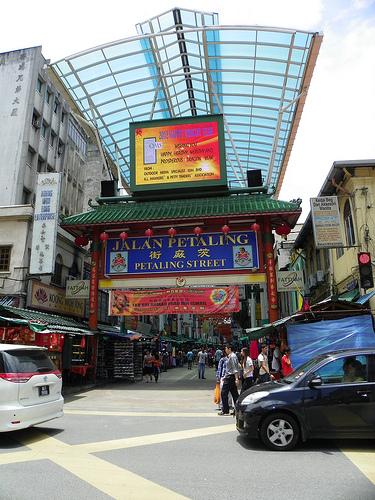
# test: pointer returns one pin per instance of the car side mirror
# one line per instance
(315, 382)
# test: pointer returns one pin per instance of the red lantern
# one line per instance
(123, 236)
(78, 241)
(283, 230)
(172, 232)
(149, 232)
(225, 229)
(255, 227)
(81, 240)
(103, 236)
(197, 231)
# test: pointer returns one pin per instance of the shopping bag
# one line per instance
(217, 393)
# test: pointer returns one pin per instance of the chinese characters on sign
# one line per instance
(187, 253)
(19, 82)
(47, 204)
(326, 222)
(272, 289)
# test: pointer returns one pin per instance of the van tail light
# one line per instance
(19, 378)
(22, 378)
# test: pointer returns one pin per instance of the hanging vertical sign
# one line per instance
(326, 221)
(47, 202)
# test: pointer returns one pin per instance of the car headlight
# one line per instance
(253, 398)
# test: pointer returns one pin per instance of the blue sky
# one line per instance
(338, 121)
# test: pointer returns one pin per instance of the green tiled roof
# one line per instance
(54, 322)
(181, 209)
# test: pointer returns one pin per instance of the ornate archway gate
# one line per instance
(183, 241)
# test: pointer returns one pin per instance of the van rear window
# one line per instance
(27, 361)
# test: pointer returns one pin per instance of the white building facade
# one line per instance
(40, 131)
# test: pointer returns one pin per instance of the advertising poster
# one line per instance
(326, 222)
(185, 252)
(172, 153)
(174, 300)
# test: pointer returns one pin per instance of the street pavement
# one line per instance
(166, 441)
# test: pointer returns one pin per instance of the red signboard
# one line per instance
(175, 301)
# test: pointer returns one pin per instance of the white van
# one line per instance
(30, 387)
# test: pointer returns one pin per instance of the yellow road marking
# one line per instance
(138, 414)
(113, 480)
(147, 440)
(364, 460)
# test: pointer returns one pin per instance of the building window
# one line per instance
(39, 85)
(35, 121)
(40, 166)
(318, 260)
(339, 252)
(5, 258)
(26, 197)
(77, 137)
(56, 105)
(348, 225)
(63, 115)
(30, 157)
(52, 139)
(57, 275)
(44, 130)
(48, 96)
(60, 148)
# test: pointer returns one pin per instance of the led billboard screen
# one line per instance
(178, 153)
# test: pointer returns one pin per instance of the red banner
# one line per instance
(175, 301)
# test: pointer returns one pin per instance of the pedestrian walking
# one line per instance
(189, 357)
(264, 371)
(286, 363)
(202, 360)
(220, 376)
(231, 380)
(218, 356)
(276, 359)
(156, 364)
(247, 369)
(148, 368)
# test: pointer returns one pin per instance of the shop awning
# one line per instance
(268, 329)
(350, 295)
(364, 298)
(41, 322)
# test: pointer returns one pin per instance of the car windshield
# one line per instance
(302, 369)
(27, 361)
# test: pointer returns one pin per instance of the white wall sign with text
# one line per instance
(46, 218)
(326, 222)
(290, 281)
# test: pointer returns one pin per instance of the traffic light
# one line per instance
(365, 270)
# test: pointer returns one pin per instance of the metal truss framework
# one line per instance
(183, 63)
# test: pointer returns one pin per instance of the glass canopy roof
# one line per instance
(183, 63)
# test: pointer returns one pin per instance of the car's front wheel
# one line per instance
(279, 432)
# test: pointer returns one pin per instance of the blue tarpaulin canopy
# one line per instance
(307, 340)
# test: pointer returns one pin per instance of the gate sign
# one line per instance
(290, 281)
(174, 300)
(182, 253)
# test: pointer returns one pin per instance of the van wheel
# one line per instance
(279, 432)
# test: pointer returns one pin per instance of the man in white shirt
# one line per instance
(202, 360)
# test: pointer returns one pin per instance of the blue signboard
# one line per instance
(182, 253)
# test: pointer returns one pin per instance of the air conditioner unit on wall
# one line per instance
(320, 276)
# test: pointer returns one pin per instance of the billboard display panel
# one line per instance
(178, 153)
